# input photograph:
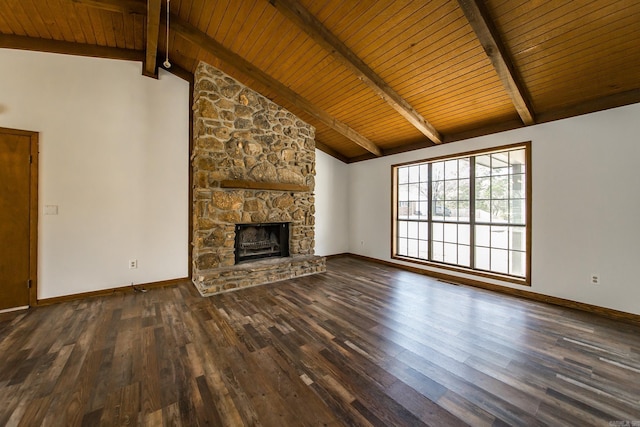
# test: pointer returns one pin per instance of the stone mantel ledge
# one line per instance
(256, 185)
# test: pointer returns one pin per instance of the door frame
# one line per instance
(33, 210)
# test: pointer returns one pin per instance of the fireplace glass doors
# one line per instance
(255, 241)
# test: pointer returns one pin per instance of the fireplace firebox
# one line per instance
(255, 241)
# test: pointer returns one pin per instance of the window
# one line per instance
(466, 212)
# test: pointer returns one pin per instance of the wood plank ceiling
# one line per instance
(374, 77)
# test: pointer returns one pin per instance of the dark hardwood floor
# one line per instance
(362, 344)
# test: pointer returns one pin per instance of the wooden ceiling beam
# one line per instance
(68, 48)
(132, 7)
(488, 36)
(153, 30)
(308, 23)
(203, 41)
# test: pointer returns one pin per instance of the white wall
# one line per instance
(586, 205)
(332, 205)
(113, 158)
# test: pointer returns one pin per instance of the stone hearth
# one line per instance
(253, 162)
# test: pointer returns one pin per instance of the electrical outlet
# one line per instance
(133, 263)
(595, 279)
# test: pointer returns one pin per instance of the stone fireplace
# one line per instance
(253, 176)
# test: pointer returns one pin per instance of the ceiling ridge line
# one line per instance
(149, 67)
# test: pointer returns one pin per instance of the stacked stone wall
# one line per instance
(239, 135)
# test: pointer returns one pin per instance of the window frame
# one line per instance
(526, 280)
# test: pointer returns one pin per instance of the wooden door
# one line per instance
(18, 217)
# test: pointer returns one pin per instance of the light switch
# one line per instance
(51, 209)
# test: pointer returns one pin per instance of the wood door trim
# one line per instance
(33, 210)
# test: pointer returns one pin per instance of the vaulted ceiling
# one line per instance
(374, 77)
